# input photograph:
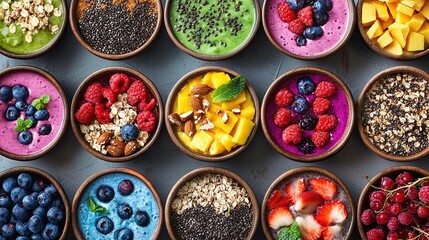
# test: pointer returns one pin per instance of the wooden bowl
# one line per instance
(63, 101)
(78, 96)
(280, 41)
(87, 183)
(369, 86)
(15, 171)
(374, 46)
(210, 170)
(48, 46)
(392, 172)
(207, 56)
(172, 130)
(74, 27)
(267, 111)
(300, 171)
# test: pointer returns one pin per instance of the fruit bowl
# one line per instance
(117, 203)
(307, 114)
(116, 114)
(210, 128)
(382, 207)
(309, 202)
(235, 208)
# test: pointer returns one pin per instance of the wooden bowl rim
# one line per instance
(169, 105)
(213, 170)
(350, 121)
(377, 77)
(96, 175)
(302, 170)
(64, 124)
(79, 95)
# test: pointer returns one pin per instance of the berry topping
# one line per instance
(125, 234)
(308, 122)
(294, 188)
(45, 129)
(326, 123)
(20, 92)
(296, 4)
(12, 113)
(33, 121)
(320, 18)
(142, 218)
(280, 217)
(286, 14)
(119, 82)
(277, 200)
(331, 213)
(375, 234)
(110, 96)
(21, 105)
(282, 118)
(85, 114)
(125, 211)
(93, 93)
(25, 137)
(146, 121)
(104, 225)
(313, 33)
(284, 98)
(5, 94)
(147, 105)
(308, 202)
(105, 193)
(41, 114)
(306, 146)
(367, 217)
(30, 110)
(292, 134)
(297, 26)
(321, 105)
(324, 187)
(306, 16)
(309, 227)
(320, 139)
(322, 6)
(306, 85)
(136, 92)
(325, 89)
(299, 105)
(101, 113)
(125, 187)
(332, 232)
(300, 40)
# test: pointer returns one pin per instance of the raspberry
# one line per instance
(282, 118)
(284, 98)
(424, 194)
(101, 113)
(146, 121)
(321, 105)
(306, 146)
(297, 26)
(136, 92)
(320, 139)
(393, 224)
(405, 218)
(119, 82)
(292, 134)
(375, 234)
(306, 16)
(110, 96)
(327, 123)
(147, 106)
(325, 89)
(93, 93)
(308, 122)
(367, 217)
(85, 114)
(286, 13)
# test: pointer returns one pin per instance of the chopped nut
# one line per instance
(186, 116)
(224, 118)
(174, 119)
(236, 110)
(206, 124)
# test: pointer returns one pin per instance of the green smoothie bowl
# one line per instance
(212, 29)
(28, 28)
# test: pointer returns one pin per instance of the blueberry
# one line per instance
(299, 104)
(9, 184)
(307, 146)
(320, 18)
(45, 129)
(23, 238)
(12, 113)
(36, 236)
(30, 110)
(296, 4)
(40, 211)
(125, 211)
(322, 6)
(20, 92)
(8, 230)
(33, 121)
(5, 94)
(105, 193)
(301, 40)
(44, 199)
(104, 225)
(22, 229)
(39, 184)
(309, 3)
(30, 202)
(55, 215)
(308, 122)
(306, 85)
(4, 215)
(51, 232)
(313, 33)
(36, 224)
(125, 187)
(129, 132)
(125, 234)
(25, 180)
(20, 213)
(58, 203)
(51, 189)
(41, 114)
(35, 194)
(5, 201)
(25, 137)
(21, 105)
(2, 238)
(17, 194)
(142, 218)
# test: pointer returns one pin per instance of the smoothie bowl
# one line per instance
(212, 29)
(308, 30)
(33, 205)
(307, 114)
(117, 203)
(34, 112)
(308, 203)
(212, 113)
(30, 28)
(211, 203)
(116, 114)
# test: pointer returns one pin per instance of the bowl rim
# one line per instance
(48, 46)
(89, 48)
(213, 170)
(347, 34)
(64, 124)
(209, 57)
(385, 172)
(376, 48)
(170, 102)
(41, 173)
(377, 77)
(78, 95)
(301, 170)
(88, 181)
(350, 121)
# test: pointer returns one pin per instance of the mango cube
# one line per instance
(242, 131)
(418, 4)
(229, 125)
(394, 48)
(404, 9)
(216, 148)
(368, 14)
(207, 79)
(408, 3)
(415, 42)
(214, 108)
(381, 9)
(424, 30)
(386, 24)
(219, 79)
(416, 22)
(385, 39)
(186, 140)
(375, 30)
(399, 32)
(183, 103)
(402, 18)
(202, 141)
(239, 99)
(392, 8)
(425, 11)
(225, 140)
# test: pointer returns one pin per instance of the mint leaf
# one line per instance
(229, 90)
(38, 104)
(20, 126)
(94, 207)
(45, 99)
(290, 233)
(28, 123)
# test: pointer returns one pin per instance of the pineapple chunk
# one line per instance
(394, 48)
(385, 39)
(424, 30)
(229, 125)
(216, 148)
(402, 18)
(186, 140)
(207, 79)
(381, 10)
(415, 42)
(242, 131)
(399, 32)
(375, 30)
(219, 78)
(368, 14)
(225, 139)
(418, 4)
(392, 8)
(416, 22)
(425, 11)
(202, 141)
(386, 24)
(405, 9)
(408, 3)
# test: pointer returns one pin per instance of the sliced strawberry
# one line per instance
(331, 232)
(331, 213)
(309, 228)
(277, 200)
(325, 187)
(308, 202)
(280, 217)
(294, 188)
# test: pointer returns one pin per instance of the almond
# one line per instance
(174, 118)
(224, 118)
(130, 148)
(190, 128)
(206, 124)
(117, 142)
(196, 103)
(103, 138)
(186, 116)
(115, 151)
(201, 89)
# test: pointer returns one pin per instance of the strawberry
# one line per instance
(280, 217)
(277, 200)
(308, 202)
(325, 187)
(332, 212)
(309, 228)
(294, 188)
(332, 232)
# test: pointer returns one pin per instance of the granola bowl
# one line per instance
(116, 114)
(191, 211)
(396, 96)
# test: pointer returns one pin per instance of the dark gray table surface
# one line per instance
(164, 64)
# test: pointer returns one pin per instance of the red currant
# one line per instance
(404, 178)
(423, 212)
(392, 236)
(393, 224)
(387, 183)
(412, 207)
(379, 195)
(399, 196)
(395, 209)
(376, 205)
(382, 217)
(412, 193)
